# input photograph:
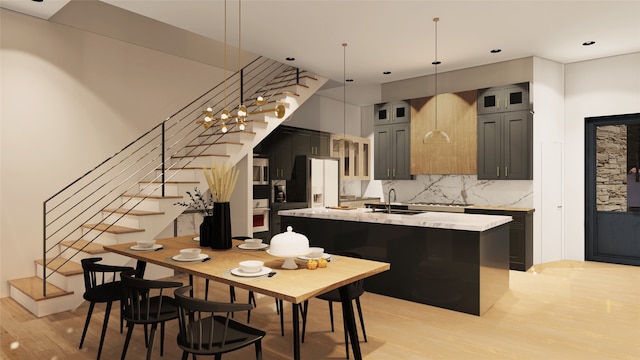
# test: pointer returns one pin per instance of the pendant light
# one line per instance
(436, 136)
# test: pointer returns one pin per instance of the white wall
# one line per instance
(547, 94)
(608, 86)
(326, 114)
(70, 99)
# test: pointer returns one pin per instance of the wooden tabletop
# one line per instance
(294, 286)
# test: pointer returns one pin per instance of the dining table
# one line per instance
(292, 285)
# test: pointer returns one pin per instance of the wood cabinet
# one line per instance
(505, 146)
(504, 98)
(457, 116)
(391, 155)
(354, 155)
(392, 113)
(520, 234)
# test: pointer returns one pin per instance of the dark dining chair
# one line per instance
(101, 285)
(203, 332)
(141, 306)
(354, 290)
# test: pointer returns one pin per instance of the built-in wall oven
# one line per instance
(260, 171)
(260, 215)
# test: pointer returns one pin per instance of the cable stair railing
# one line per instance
(172, 145)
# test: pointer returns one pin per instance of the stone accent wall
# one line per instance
(611, 172)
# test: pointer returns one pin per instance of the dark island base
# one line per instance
(459, 270)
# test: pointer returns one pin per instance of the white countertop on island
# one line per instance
(439, 220)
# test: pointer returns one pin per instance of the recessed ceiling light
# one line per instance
(495, 51)
(588, 43)
(386, 72)
(348, 80)
(290, 58)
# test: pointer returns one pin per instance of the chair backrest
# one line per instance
(144, 300)
(356, 286)
(197, 328)
(354, 289)
(100, 274)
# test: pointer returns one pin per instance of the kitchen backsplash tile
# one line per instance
(462, 189)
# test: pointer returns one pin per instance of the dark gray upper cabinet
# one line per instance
(505, 146)
(392, 152)
(505, 133)
(310, 143)
(392, 113)
(285, 143)
(280, 149)
(505, 98)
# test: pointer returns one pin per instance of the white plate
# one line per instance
(325, 256)
(238, 272)
(252, 247)
(197, 238)
(199, 258)
(153, 247)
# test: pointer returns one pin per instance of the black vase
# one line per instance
(221, 238)
(206, 231)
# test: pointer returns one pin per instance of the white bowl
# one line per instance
(253, 242)
(145, 244)
(315, 252)
(251, 266)
(190, 253)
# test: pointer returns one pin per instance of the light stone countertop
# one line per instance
(438, 220)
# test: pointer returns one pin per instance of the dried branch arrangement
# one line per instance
(221, 180)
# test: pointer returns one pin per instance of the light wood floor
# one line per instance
(560, 310)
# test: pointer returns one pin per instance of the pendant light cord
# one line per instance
(240, 47)
(436, 62)
(225, 54)
(344, 91)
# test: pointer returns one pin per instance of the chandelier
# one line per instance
(226, 118)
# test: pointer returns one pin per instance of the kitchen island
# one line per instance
(451, 260)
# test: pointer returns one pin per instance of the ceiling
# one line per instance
(393, 35)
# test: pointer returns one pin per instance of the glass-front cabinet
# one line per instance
(354, 153)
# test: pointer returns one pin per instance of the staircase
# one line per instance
(131, 195)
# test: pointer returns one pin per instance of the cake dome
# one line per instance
(289, 244)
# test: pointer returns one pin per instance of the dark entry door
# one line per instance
(612, 184)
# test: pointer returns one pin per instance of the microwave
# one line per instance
(260, 171)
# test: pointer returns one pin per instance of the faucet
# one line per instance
(389, 199)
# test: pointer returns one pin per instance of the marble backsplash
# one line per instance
(456, 189)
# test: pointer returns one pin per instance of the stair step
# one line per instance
(134, 211)
(69, 268)
(155, 197)
(217, 143)
(114, 229)
(91, 247)
(32, 287)
(192, 156)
